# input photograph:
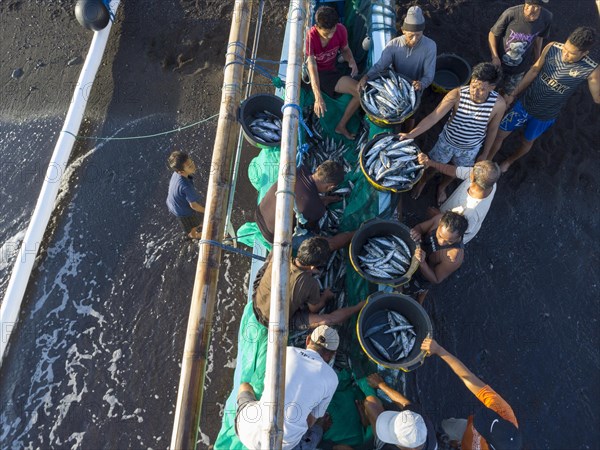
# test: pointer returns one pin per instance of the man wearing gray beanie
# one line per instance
(412, 54)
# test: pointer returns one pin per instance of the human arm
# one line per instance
(197, 207)
(448, 102)
(537, 47)
(492, 127)
(446, 169)
(493, 43)
(324, 297)
(336, 317)
(472, 383)
(428, 68)
(349, 58)
(376, 382)
(320, 108)
(422, 228)
(594, 84)
(440, 272)
(384, 62)
(529, 76)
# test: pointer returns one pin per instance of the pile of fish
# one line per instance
(393, 338)
(267, 127)
(385, 257)
(392, 163)
(391, 98)
(320, 151)
(330, 222)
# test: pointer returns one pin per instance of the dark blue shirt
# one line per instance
(181, 194)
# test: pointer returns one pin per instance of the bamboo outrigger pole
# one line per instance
(191, 382)
(274, 391)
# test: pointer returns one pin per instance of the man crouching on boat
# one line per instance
(441, 252)
(306, 299)
(309, 387)
(309, 205)
(323, 42)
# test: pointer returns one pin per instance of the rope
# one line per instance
(147, 136)
(232, 249)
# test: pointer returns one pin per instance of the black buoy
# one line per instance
(92, 14)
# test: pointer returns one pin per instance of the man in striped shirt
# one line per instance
(547, 87)
(476, 111)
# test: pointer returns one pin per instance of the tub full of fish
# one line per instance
(391, 329)
(382, 252)
(389, 99)
(390, 164)
(260, 117)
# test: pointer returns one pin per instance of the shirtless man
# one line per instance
(477, 110)
(441, 252)
(323, 41)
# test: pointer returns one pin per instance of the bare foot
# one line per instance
(504, 166)
(344, 132)
(441, 195)
(417, 189)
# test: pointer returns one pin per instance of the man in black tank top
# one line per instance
(441, 252)
(546, 88)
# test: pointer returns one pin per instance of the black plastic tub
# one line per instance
(451, 71)
(254, 104)
(375, 312)
(378, 227)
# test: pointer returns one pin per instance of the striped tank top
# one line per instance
(555, 83)
(467, 126)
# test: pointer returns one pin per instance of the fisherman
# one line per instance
(306, 298)
(473, 197)
(492, 426)
(401, 425)
(323, 42)
(309, 387)
(183, 201)
(546, 88)
(476, 113)
(309, 205)
(412, 55)
(441, 252)
(516, 40)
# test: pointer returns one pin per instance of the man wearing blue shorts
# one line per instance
(547, 86)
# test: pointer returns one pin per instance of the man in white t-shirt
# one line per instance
(473, 197)
(309, 387)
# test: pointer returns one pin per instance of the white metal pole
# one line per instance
(9, 311)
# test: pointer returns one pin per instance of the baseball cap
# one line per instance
(414, 20)
(326, 337)
(499, 433)
(406, 428)
(536, 2)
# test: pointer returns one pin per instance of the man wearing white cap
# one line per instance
(406, 429)
(309, 387)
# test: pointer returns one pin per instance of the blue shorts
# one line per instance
(518, 117)
(444, 152)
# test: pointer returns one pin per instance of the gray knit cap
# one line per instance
(414, 20)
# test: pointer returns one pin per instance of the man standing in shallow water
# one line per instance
(547, 87)
(183, 201)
